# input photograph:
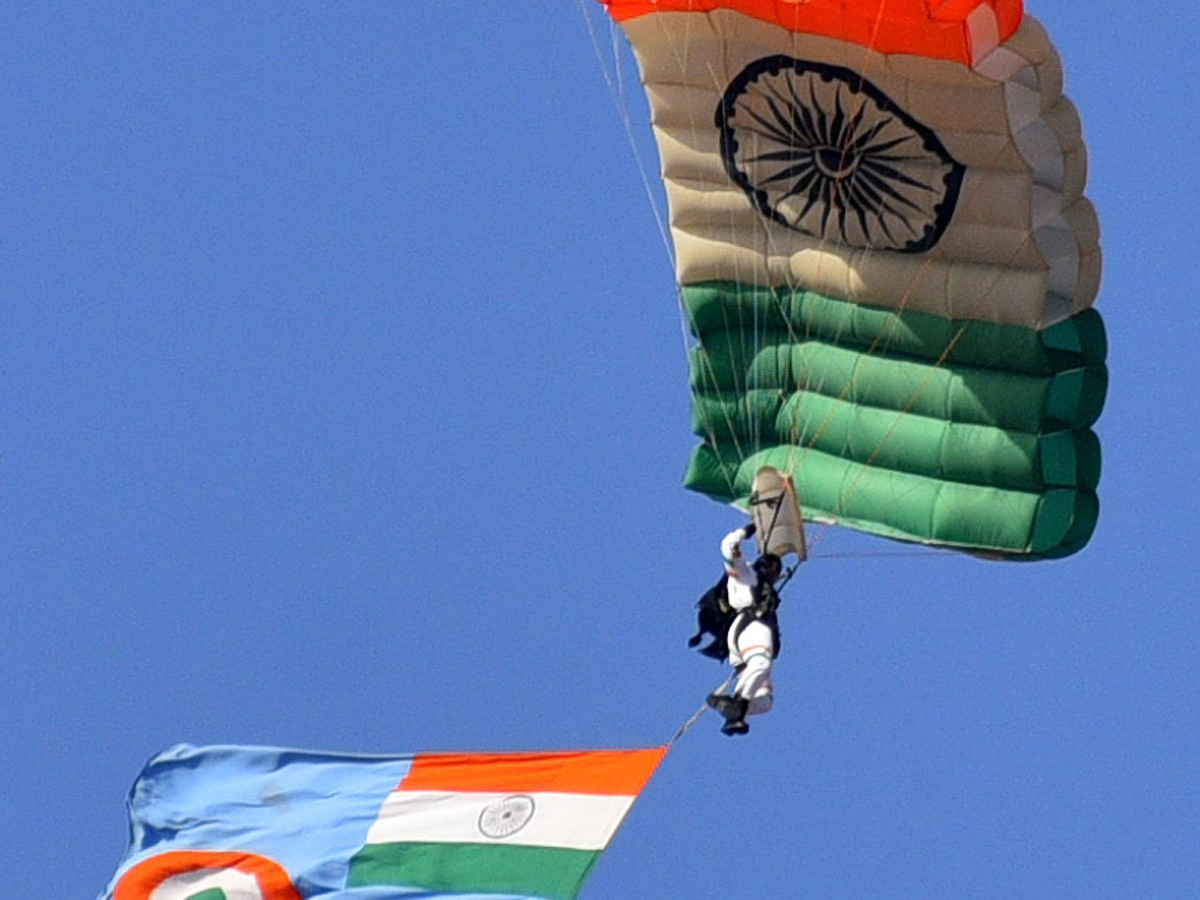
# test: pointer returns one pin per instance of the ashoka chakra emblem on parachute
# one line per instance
(506, 817)
(823, 151)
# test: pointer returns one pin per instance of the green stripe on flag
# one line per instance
(552, 872)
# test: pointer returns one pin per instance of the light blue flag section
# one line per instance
(254, 823)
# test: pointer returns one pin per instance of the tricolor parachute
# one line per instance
(887, 261)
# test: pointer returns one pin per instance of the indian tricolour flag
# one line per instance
(268, 823)
(525, 824)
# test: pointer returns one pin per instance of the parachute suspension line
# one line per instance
(695, 717)
(616, 87)
(869, 53)
(798, 376)
(912, 400)
(904, 411)
(927, 553)
(879, 344)
(787, 576)
(799, 444)
(787, 371)
(705, 373)
(882, 338)
(917, 392)
(617, 91)
(750, 332)
(757, 339)
(732, 334)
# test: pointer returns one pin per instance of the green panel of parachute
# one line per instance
(962, 433)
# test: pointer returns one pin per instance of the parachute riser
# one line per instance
(775, 509)
(786, 578)
(775, 503)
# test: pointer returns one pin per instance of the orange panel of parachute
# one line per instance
(959, 30)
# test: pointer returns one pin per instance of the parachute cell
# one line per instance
(887, 260)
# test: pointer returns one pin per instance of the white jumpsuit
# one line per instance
(750, 640)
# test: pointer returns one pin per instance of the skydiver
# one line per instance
(753, 636)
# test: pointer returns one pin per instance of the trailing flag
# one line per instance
(260, 823)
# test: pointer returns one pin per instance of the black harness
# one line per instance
(718, 619)
(765, 610)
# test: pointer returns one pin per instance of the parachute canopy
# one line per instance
(885, 255)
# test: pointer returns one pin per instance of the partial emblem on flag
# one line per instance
(201, 875)
(259, 823)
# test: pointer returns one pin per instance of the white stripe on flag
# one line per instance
(536, 819)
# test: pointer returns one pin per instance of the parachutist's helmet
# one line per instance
(769, 566)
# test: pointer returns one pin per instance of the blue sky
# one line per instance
(344, 406)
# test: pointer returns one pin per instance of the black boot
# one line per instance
(734, 711)
(735, 719)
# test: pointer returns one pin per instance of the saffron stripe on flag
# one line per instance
(553, 873)
(576, 821)
(621, 772)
